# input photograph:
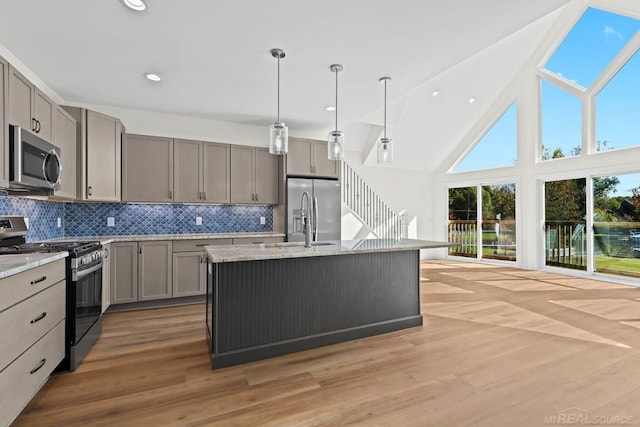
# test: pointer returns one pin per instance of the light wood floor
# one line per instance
(499, 347)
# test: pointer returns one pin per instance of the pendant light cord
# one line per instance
(336, 100)
(278, 88)
(385, 109)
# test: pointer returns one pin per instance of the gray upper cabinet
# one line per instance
(4, 128)
(99, 155)
(216, 172)
(29, 108)
(242, 174)
(187, 165)
(266, 177)
(44, 109)
(64, 137)
(147, 168)
(309, 158)
(155, 270)
(254, 176)
(201, 171)
(21, 93)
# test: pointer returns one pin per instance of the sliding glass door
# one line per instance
(490, 235)
(565, 212)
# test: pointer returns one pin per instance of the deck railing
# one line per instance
(368, 206)
(498, 238)
(566, 244)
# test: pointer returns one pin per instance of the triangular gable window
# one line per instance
(497, 148)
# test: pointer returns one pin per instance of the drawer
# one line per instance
(21, 380)
(26, 322)
(22, 285)
(250, 240)
(196, 245)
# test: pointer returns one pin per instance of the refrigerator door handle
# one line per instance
(315, 219)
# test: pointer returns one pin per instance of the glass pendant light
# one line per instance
(336, 137)
(278, 132)
(385, 149)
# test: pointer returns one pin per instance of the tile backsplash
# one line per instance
(90, 219)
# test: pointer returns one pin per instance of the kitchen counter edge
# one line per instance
(234, 253)
(18, 263)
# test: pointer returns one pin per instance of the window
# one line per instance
(561, 123)
(618, 109)
(591, 45)
(497, 148)
(616, 224)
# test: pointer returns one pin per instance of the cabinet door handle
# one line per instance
(171, 194)
(256, 197)
(89, 190)
(106, 253)
(42, 279)
(200, 259)
(140, 250)
(204, 195)
(37, 368)
(39, 318)
(38, 127)
(199, 195)
(33, 125)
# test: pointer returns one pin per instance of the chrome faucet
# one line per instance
(305, 211)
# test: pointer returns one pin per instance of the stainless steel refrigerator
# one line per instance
(325, 211)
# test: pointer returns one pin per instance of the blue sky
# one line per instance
(586, 51)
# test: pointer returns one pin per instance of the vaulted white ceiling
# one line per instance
(214, 57)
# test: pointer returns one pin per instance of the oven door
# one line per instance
(88, 301)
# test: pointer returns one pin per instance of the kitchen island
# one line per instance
(273, 299)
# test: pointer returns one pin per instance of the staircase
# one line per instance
(368, 206)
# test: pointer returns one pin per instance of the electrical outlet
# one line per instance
(26, 222)
(263, 220)
(111, 221)
(198, 220)
(59, 222)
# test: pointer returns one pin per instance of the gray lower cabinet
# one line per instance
(147, 168)
(32, 334)
(106, 277)
(189, 265)
(154, 270)
(140, 271)
(189, 274)
(124, 272)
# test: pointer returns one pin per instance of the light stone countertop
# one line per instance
(233, 253)
(150, 237)
(14, 264)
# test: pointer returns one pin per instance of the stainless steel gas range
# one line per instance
(84, 286)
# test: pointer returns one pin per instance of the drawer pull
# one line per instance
(39, 318)
(37, 368)
(202, 244)
(42, 279)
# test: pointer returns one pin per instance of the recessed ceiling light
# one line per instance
(472, 100)
(330, 108)
(137, 5)
(436, 92)
(153, 77)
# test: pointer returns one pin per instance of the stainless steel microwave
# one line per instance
(34, 163)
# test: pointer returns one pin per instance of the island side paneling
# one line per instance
(265, 308)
